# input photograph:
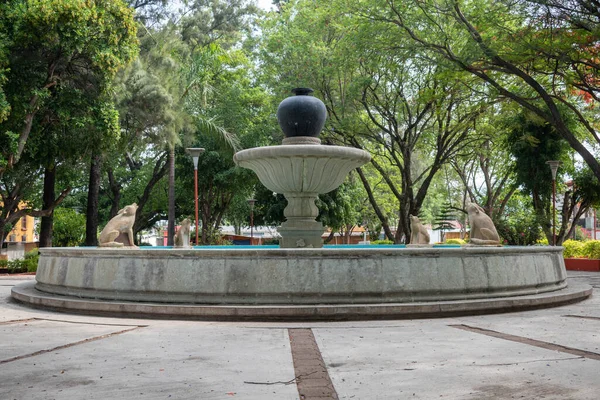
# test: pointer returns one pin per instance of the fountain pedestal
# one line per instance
(300, 228)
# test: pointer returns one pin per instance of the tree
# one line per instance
(214, 21)
(409, 117)
(414, 122)
(153, 117)
(65, 126)
(53, 43)
(540, 54)
(443, 221)
(149, 12)
(50, 48)
(532, 142)
(487, 172)
(341, 209)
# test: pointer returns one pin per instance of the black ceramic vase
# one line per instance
(302, 114)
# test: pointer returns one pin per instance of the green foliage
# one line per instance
(69, 228)
(443, 220)
(374, 229)
(98, 31)
(56, 45)
(342, 207)
(27, 264)
(412, 123)
(533, 142)
(269, 206)
(518, 232)
(500, 42)
(455, 241)
(378, 242)
(573, 249)
(57, 62)
(591, 249)
(31, 260)
(519, 225)
(209, 21)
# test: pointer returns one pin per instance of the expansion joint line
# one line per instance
(18, 321)
(312, 378)
(583, 317)
(65, 346)
(531, 342)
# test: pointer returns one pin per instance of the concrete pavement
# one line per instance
(550, 354)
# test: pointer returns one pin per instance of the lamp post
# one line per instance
(251, 203)
(195, 153)
(553, 167)
(595, 238)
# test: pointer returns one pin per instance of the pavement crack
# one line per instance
(531, 342)
(65, 346)
(294, 380)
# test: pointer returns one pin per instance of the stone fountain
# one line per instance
(301, 168)
(302, 279)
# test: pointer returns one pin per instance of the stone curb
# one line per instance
(27, 294)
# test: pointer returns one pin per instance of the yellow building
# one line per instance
(22, 230)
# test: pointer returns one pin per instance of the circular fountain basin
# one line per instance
(300, 276)
(334, 282)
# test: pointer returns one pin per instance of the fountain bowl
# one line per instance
(302, 168)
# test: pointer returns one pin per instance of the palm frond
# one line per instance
(210, 127)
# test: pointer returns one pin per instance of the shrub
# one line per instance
(542, 242)
(376, 242)
(69, 228)
(591, 249)
(31, 260)
(524, 232)
(580, 233)
(455, 241)
(573, 249)
(27, 264)
(17, 266)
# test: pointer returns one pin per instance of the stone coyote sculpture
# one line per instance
(121, 223)
(483, 231)
(182, 236)
(418, 233)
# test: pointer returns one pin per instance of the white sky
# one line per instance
(264, 4)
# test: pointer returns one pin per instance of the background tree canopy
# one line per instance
(457, 101)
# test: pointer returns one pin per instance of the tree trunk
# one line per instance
(91, 223)
(330, 237)
(382, 218)
(2, 233)
(171, 212)
(159, 171)
(48, 198)
(115, 189)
